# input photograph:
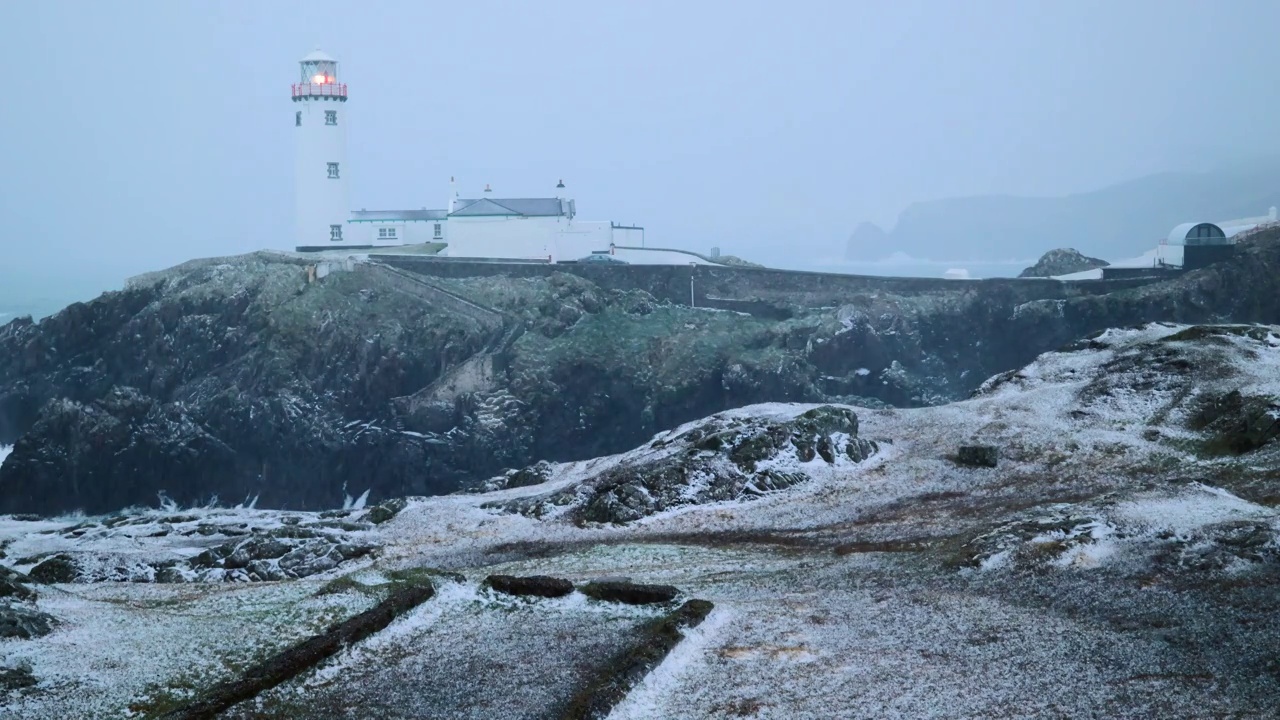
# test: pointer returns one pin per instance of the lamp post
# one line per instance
(692, 302)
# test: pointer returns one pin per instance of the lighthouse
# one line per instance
(320, 180)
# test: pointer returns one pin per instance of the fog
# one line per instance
(138, 135)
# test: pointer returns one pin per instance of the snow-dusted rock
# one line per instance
(205, 546)
(731, 456)
(1062, 261)
(23, 622)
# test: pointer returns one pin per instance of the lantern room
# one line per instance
(319, 69)
(318, 77)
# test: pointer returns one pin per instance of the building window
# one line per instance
(333, 171)
(439, 231)
(297, 119)
(386, 233)
(330, 117)
(335, 233)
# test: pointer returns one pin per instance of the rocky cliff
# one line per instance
(264, 377)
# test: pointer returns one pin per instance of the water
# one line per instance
(31, 291)
(37, 307)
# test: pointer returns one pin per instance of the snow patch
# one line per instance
(1090, 554)
(646, 700)
(1202, 505)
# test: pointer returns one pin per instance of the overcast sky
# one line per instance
(139, 134)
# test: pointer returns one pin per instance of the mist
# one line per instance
(139, 135)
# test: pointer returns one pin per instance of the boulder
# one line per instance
(57, 569)
(532, 475)
(259, 548)
(379, 514)
(977, 456)
(535, 585)
(1234, 423)
(16, 678)
(23, 623)
(13, 585)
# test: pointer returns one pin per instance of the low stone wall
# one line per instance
(300, 657)
(755, 290)
(1150, 274)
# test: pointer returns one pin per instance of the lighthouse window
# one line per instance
(439, 231)
(386, 233)
(297, 119)
(333, 170)
(335, 233)
(330, 117)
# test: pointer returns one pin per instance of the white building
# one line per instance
(320, 187)
(544, 229)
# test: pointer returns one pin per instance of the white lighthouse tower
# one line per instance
(320, 180)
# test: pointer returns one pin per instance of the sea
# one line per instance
(37, 308)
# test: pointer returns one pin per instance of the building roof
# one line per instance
(520, 207)
(397, 215)
(1197, 233)
(317, 55)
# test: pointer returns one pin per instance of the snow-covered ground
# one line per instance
(119, 646)
(1107, 567)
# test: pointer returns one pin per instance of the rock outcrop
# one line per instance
(733, 456)
(221, 546)
(1062, 261)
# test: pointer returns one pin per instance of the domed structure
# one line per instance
(1203, 233)
(1204, 243)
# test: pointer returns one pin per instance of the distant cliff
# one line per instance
(1123, 220)
(263, 376)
